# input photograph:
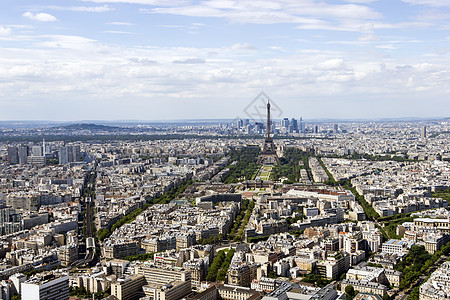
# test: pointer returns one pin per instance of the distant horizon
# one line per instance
(229, 120)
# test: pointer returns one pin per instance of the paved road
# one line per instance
(88, 201)
(86, 198)
(403, 297)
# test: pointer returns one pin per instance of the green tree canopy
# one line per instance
(350, 291)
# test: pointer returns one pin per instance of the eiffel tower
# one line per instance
(268, 155)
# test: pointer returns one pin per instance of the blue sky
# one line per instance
(183, 59)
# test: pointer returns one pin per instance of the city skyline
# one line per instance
(153, 60)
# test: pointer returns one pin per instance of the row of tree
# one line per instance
(316, 279)
(289, 165)
(445, 194)
(141, 257)
(413, 265)
(239, 219)
(83, 293)
(368, 209)
(212, 240)
(243, 164)
(392, 157)
(391, 227)
(219, 267)
(247, 215)
(417, 262)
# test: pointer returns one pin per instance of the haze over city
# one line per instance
(153, 60)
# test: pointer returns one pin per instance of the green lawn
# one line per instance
(265, 172)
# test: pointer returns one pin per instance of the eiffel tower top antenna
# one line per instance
(268, 120)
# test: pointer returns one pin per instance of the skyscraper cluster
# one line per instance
(24, 154)
(69, 154)
(286, 126)
(36, 154)
(293, 125)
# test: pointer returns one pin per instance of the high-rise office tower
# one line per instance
(423, 132)
(23, 154)
(294, 125)
(69, 154)
(64, 157)
(36, 157)
(301, 125)
(76, 153)
(46, 147)
(13, 155)
(240, 123)
(336, 128)
(259, 126)
(36, 151)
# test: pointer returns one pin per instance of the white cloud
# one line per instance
(91, 74)
(433, 15)
(309, 14)
(41, 17)
(95, 9)
(327, 26)
(143, 61)
(277, 48)
(331, 64)
(190, 61)
(438, 16)
(356, 26)
(243, 46)
(121, 23)
(144, 2)
(118, 32)
(66, 42)
(4, 31)
(436, 3)
(171, 26)
(402, 25)
(387, 46)
(360, 1)
(368, 38)
(16, 38)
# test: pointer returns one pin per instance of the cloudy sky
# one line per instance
(186, 59)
